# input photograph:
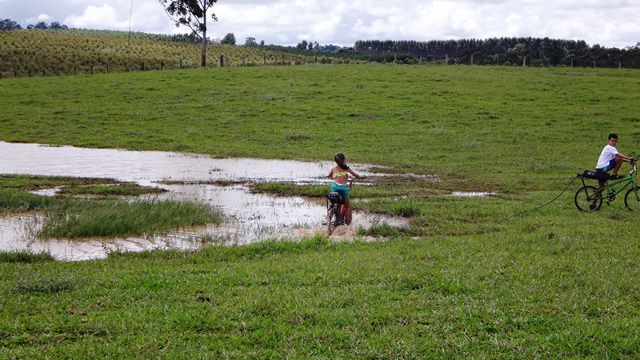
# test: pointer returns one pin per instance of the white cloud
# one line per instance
(41, 17)
(99, 17)
(607, 22)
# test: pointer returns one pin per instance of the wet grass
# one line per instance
(32, 182)
(24, 257)
(68, 217)
(12, 200)
(121, 189)
(99, 187)
(112, 218)
(373, 190)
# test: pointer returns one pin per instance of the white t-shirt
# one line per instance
(608, 153)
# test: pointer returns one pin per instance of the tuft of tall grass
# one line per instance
(14, 200)
(47, 284)
(124, 189)
(24, 257)
(399, 207)
(383, 230)
(34, 182)
(119, 218)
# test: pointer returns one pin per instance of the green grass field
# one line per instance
(510, 129)
(470, 277)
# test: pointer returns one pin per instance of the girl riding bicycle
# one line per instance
(340, 176)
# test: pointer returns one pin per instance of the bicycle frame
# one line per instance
(610, 184)
(338, 209)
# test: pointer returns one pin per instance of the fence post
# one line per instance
(161, 65)
(142, 66)
(91, 69)
(180, 63)
(221, 60)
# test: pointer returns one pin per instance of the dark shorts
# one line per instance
(606, 169)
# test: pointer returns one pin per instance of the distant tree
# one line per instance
(8, 24)
(302, 45)
(526, 51)
(328, 48)
(251, 42)
(519, 52)
(40, 26)
(229, 39)
(56, 25)
(261, 43)
(191, 13)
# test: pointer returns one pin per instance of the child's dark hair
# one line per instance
(613, 136)
(340, 160)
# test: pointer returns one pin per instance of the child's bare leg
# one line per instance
(616, 167)
(347, 212)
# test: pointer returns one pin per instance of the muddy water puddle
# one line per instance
(473, 193)
(247, 217)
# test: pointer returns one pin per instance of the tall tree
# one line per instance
(228, 39)
(250, 41)
(192, 13)
(8, 24)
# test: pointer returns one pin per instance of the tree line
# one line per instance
(8, 24)
(506, 51)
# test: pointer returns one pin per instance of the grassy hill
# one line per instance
(70, 52)
(470, 277)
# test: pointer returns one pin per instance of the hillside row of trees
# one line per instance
(8, 24)
(507, 51)
(68, 52)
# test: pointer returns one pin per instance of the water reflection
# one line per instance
(248, 217)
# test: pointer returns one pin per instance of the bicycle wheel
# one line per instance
(588, 198)
(331, 218)
(632, 199)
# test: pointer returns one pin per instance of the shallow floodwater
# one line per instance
(247, 217)
(473, 193)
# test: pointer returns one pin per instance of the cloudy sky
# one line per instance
(605, 22)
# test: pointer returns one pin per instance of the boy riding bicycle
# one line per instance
(611, 159)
